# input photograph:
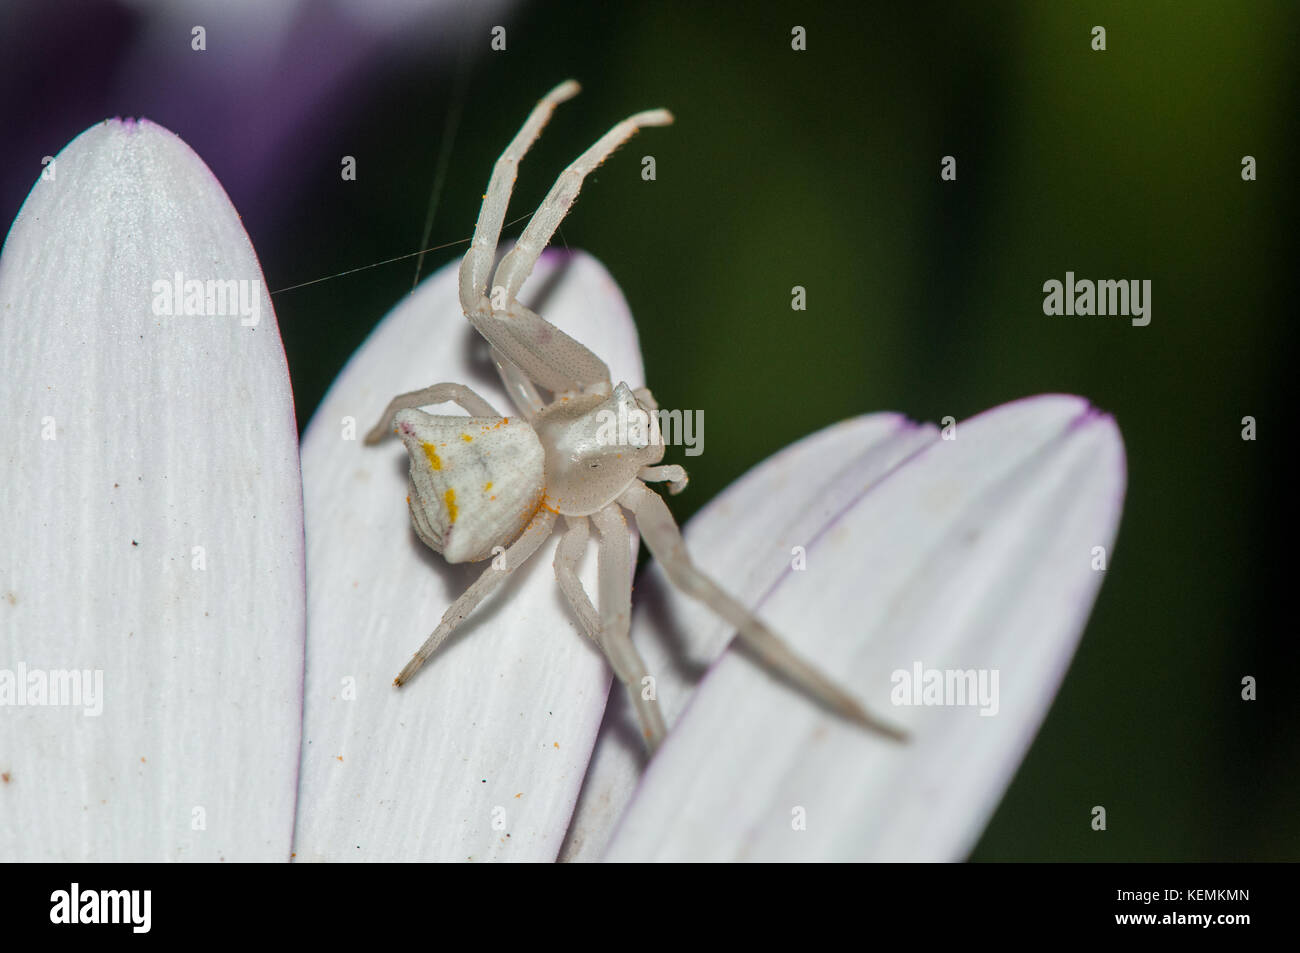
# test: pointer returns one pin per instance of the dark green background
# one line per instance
(822, 169)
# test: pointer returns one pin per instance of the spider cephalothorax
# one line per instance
(491, 486)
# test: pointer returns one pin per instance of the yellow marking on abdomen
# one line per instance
(434, 460)
(450, 499)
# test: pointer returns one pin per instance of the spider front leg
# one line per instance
(609, 628)
(458, 394)
(660, 532)
(542, 352)
(477, 264)
(520, 389)
(518, 264)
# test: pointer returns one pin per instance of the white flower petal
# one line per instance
(748, 533)
(172, 433)
(976, 554)
(498, 724)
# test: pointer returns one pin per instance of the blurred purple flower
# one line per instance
(257, 103)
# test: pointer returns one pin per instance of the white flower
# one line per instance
(973, 554)
(153, 523)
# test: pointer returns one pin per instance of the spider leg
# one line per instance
(518, 333)
(663, 537)
(532, 537)
(609, 628)
(542, 352)
(520, 389)
(568, 555)
(477, 263)
(671, 473)
(434, 394)
(616, 619)
(518, 264)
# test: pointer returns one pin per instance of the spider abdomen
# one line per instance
(475, 482)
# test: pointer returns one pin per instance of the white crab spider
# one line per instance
(491, 486)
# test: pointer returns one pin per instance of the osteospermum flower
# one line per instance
(892, 548)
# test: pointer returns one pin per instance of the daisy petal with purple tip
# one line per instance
(950, 597)
(151, 575)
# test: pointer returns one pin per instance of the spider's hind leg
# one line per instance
(514, 557)
(459, 394)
